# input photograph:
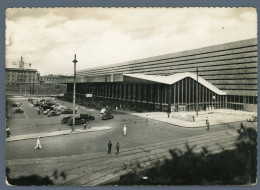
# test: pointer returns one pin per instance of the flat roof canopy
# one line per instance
(142, 78)
(171, 79)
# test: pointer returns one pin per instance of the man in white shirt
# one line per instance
(124, 130)
(38, 144)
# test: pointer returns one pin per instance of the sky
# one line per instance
(48, 38)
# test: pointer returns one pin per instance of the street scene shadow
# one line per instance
(189, 167)
(35, 180)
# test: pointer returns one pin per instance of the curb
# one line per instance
(204, 126)
(65, 133)
(196, 126)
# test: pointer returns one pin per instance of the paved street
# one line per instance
(143, 136)
(97, 168)
(139, 133)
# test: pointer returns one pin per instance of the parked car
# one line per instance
(47, 107)
(252, 119)
(107, 116)
(87, 117)
(68, 111)
(66, 119)
(16, 104)
(55, 106)
(53, 113)
(46, 112)
(103, 110)
(36, 104)
(33, 101)
(49, 104)
(78, 121)
(30, 99)
(42, 100)
(59, 108)
(18, 110)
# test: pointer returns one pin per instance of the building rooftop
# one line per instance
(18, 69)
(171, 79)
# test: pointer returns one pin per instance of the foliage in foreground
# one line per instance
(228, 167)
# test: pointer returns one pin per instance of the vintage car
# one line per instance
(16, 104)
(44, 107)
(36, 104)
(66, 119)
(67, 111)
(53, 113)
(78, 121)
(106, 116)
(87, 117)
(252, 119)
(30, 99)
(18, 110)
(45, 112)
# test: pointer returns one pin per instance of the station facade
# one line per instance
(226, 78)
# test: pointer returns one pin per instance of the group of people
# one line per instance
(109, 146)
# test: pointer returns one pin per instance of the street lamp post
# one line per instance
(197, 92)
(74, 92)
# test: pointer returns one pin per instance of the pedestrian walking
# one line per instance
(109, 146)
(208, 126)
(242, 128)
(117, 148)
(207, 123)
(38, 143)
(8, 133)
(39, 112)
(124, 130)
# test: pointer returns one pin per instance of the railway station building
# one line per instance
(214, 77)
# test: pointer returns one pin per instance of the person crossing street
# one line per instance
(8, 133)
(117, 148)
(109, 146)
(124, 130)
(207, 123)
(38, 144)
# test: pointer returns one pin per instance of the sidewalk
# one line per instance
(184, 119)
(56, 133)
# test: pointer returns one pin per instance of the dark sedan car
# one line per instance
(78, 121)
(15, 104)
(18, 110)
(67, 111)
(87, 117)
(36, 104)
(66, 119)
(47, 107)
(52, 113)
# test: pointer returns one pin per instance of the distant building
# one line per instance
(14, 76)
(21, 78)
(53, 78)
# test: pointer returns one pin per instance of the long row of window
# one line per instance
(242, 99)
(180, 92)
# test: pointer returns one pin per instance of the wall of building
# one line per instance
(180, 96)
(231, 67)
(21, 76)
